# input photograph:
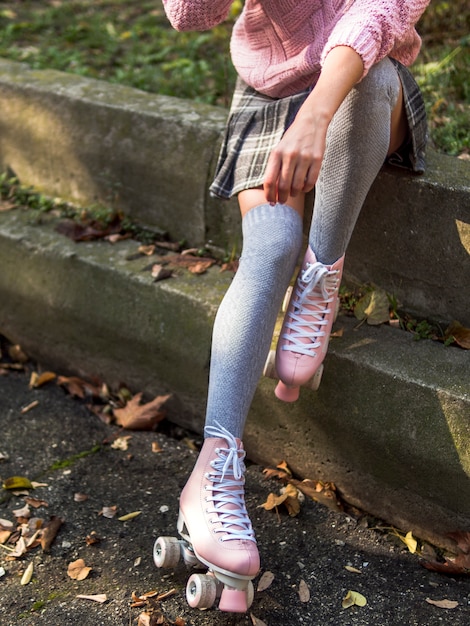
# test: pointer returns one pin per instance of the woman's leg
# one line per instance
(213, 516)
(272, 240)
(369, 125)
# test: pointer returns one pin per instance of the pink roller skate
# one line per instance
(215, 528)
(305, 333)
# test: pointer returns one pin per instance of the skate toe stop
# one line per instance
(285, 393)
(233, 601)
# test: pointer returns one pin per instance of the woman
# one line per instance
(323, 99)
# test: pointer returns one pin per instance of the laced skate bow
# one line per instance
(227, 490)
(315, 290)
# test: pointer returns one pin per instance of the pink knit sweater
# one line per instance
(278, 46)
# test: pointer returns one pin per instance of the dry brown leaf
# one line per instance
(304, 591)
(325, 493)
(35, 502)
(462, 539)
(92, 539)
(121, 443)
(50, 532)
(4, 536)
(38, 380)
(80, 497)
(99, 597)
(20, 548)
(108, 511)
(460, 334)
(443, 604)
(5, 524)
(265, 581)
(80, 388)
(201, 266)
(156, 447)
(77, 570)
(138, 416)
(256, 621)
(16, 354)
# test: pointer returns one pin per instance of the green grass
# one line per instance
(132, 43)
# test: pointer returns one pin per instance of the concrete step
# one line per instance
(153, 156)
(390, 424)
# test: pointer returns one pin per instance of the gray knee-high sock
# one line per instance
(272, 239)
(357, 143)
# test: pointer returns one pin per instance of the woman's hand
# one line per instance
(294, 164)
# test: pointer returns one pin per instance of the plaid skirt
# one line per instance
(257, 123)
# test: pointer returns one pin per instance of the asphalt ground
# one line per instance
(314, 558)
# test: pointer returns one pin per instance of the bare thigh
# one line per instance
(249, 198)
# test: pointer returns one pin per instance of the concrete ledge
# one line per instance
(389, 424)
(152, 156)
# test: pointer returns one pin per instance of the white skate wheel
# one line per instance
(270, 365)
(201, 591)
(314, 382)
(166, 552)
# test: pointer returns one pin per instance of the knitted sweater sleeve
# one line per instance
(196, 14)
(378, 28)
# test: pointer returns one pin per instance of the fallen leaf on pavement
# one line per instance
(80, 497)
(50, 532)
(353, 570)
(76, 386)
(460, 334)
(129, 516)
(99, 597)
(35, 502)
(353, 598)
(289, 498)
(38, 380)
(28, 574)
(458, 565)
(108, 511)
(121, 443)
(265, 581)
(89, 230)
(17, 482)
(443, 604)
(138, 416)
(77, 570)
(304, 591)
(256, 621)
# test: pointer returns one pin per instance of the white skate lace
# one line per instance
(227, 490)
(315, 290)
